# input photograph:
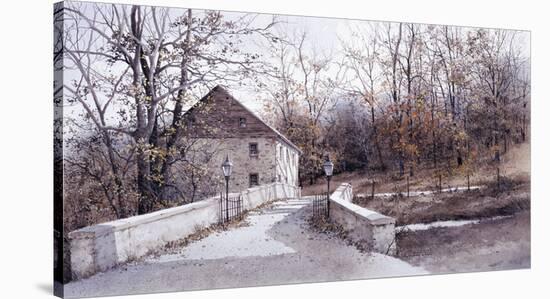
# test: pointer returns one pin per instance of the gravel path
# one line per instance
(278, 247)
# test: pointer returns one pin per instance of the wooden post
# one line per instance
(498, 178)
(440, 190)
(407, 187)
(468, 179)
(372, 190)
(328, 197)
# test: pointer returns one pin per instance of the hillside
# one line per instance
(516, 163)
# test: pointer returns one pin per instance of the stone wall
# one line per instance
(275, 161)
(368, 228)
(243, 163)
(100, 247)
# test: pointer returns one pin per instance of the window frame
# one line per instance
(191, 121)
(242, 122)
(250, 153)
(250, 175)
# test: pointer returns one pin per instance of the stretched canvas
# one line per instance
(202, 149)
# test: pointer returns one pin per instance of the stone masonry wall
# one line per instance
(369, 228)
(243, 164)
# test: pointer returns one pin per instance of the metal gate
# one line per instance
(230, 208)
(320, 206)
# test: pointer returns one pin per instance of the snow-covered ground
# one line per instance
(244, 241)
(278, 247)
(419, 193)
(449, 223)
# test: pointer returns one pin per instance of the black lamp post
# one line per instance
(328, 167)
(227, 167)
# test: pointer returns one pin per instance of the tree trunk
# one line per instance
(376, 141)
(141, 137)
(143, 182)
(523, 128)
(121, 209)
(498, 178)
(177, 119)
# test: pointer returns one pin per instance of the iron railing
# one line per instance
(320, 206)
(230, 208)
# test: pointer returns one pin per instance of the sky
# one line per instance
(323, 34)
(327, 35)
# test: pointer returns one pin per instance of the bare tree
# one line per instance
(306, 82)
(141, 63)
(362, 58)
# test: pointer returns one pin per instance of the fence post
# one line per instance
(372, 190)
(407, 186)
(328, 197)
(440, 190)
(498, 178)
(313, 207)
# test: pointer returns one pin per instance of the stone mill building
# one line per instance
(259, 153)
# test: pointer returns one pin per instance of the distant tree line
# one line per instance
(398, 97)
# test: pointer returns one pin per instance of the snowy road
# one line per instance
(246, 241)
(277, 247)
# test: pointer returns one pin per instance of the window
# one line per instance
(253, 180)
(253, 149)
(242, 122)
(191, 122)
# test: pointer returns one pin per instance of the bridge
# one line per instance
(274, 244)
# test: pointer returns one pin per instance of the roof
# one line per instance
(220, 89)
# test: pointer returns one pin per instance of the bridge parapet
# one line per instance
(369, 228)
(103, 246)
